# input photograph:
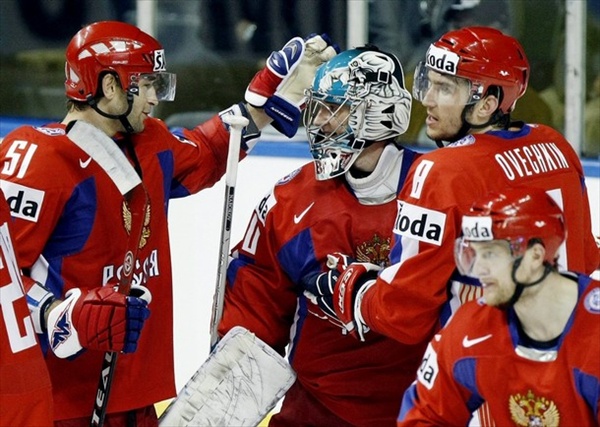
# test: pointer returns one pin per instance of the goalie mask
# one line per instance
(357, 98)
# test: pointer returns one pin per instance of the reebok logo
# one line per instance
(84, 164)
(466, 342)
(419, 223)
(24, 202)
(298, 218)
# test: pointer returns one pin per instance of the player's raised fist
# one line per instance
(279, 87)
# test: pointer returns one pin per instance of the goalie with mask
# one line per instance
(342, 203)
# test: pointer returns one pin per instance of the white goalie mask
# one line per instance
(358, 97)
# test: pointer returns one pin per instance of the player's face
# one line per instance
(445, 100)
(332, 118)
(493, 265)
(142, 104)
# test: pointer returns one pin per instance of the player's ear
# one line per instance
(110, 86)
(534, 256)
(538, 253)
(486, 107)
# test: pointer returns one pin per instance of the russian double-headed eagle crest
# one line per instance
(532, 411)
(375, 251)
(127, 223)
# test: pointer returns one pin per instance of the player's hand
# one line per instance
(98, 319)
(319, 287)
(348, 291)
(279, 87)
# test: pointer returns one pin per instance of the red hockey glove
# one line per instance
(279, 87)
(98, 319)
(347, 296)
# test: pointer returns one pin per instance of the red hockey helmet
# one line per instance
(516, 215)
(115, 47)
(482, 55)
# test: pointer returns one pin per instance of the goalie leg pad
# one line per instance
(240, 382)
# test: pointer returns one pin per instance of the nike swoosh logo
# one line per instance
(84, 164)
(298, 218)
(470, 343)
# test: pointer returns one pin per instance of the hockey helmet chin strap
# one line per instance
(121, 117)
(128, 128)
(520, 286)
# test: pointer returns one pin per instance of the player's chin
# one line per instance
(139, 126)
(434, 134)
(490, 296)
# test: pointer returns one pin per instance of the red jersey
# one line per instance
(479, 357)
(416, 294)
(25, 391)
(71, 227)
(288, 238)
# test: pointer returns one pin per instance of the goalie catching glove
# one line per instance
(98, 319)
(279, 87)
(339, 292)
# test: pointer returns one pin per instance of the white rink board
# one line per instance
(195, 224)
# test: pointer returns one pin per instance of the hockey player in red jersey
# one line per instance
(25, 391)
(65, 184)
(529, 347)
(342, 202)
(469, 83)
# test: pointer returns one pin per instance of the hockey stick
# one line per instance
(115, 164)
(236, 124)
(137, 200)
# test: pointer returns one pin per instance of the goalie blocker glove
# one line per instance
(98, 319)
(279, 87)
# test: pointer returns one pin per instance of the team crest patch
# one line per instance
(127, 223)
(376, 251)
(592, 301)
(50, 131)
(467, 140)
(288, 177)
(531, 411)
(184, 140)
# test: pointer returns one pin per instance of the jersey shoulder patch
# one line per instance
(420, 223)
